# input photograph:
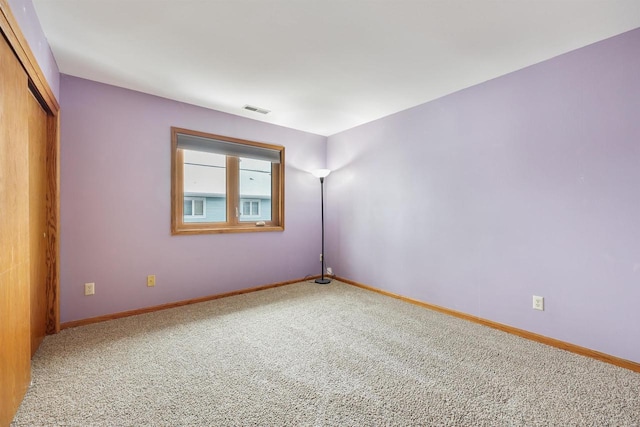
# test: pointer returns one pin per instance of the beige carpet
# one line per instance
(313, 355)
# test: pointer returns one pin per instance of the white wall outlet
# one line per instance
(538, 303)
(320, 257)
(330, 271)
(89, 288)
(151, 280)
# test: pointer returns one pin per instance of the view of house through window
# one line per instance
(205, 178)
(225, 184)
(194, 207)
(255, 189)
(250, 208)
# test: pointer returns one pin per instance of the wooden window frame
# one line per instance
(233, 223)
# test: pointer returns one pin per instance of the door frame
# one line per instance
(40, 87)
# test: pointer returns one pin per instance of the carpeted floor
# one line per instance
(313, 355)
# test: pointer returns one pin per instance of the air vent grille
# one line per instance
(256, 109)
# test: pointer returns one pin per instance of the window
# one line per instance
(250, 208)
(221, 184)
(195, 207)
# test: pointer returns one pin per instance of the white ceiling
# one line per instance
(321, 66)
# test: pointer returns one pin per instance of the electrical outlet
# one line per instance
(320, 257)
(89, 288)
(538, 303)
(151, 280)
(330, 271)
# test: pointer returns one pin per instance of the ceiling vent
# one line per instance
(256, 109)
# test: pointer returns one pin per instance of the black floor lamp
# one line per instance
(322, 174)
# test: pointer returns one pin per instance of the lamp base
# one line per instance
(323, 281)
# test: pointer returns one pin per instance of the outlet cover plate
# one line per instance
(538, 303)
(89, 288)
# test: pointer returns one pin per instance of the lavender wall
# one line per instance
(27, 19)
(526, 184)
(115, 205)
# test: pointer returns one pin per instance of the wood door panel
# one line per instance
(15, 345)
(15, 369)
(37, 221)
(53, 208)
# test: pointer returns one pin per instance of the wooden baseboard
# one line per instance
(83, 322)
(583, 351)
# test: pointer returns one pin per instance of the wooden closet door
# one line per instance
(15, 345)
(37, 221)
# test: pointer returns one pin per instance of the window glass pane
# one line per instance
(255, 183)
(188, 211)
(198, 207)
(205, 181)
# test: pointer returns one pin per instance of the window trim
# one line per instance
(233, 223)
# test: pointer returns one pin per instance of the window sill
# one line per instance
(252, 228)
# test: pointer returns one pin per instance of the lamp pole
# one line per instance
(322, 174)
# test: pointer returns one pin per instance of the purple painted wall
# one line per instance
(525, 185)
(25, 14)
(115, 205)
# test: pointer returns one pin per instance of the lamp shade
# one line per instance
(321, 173)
